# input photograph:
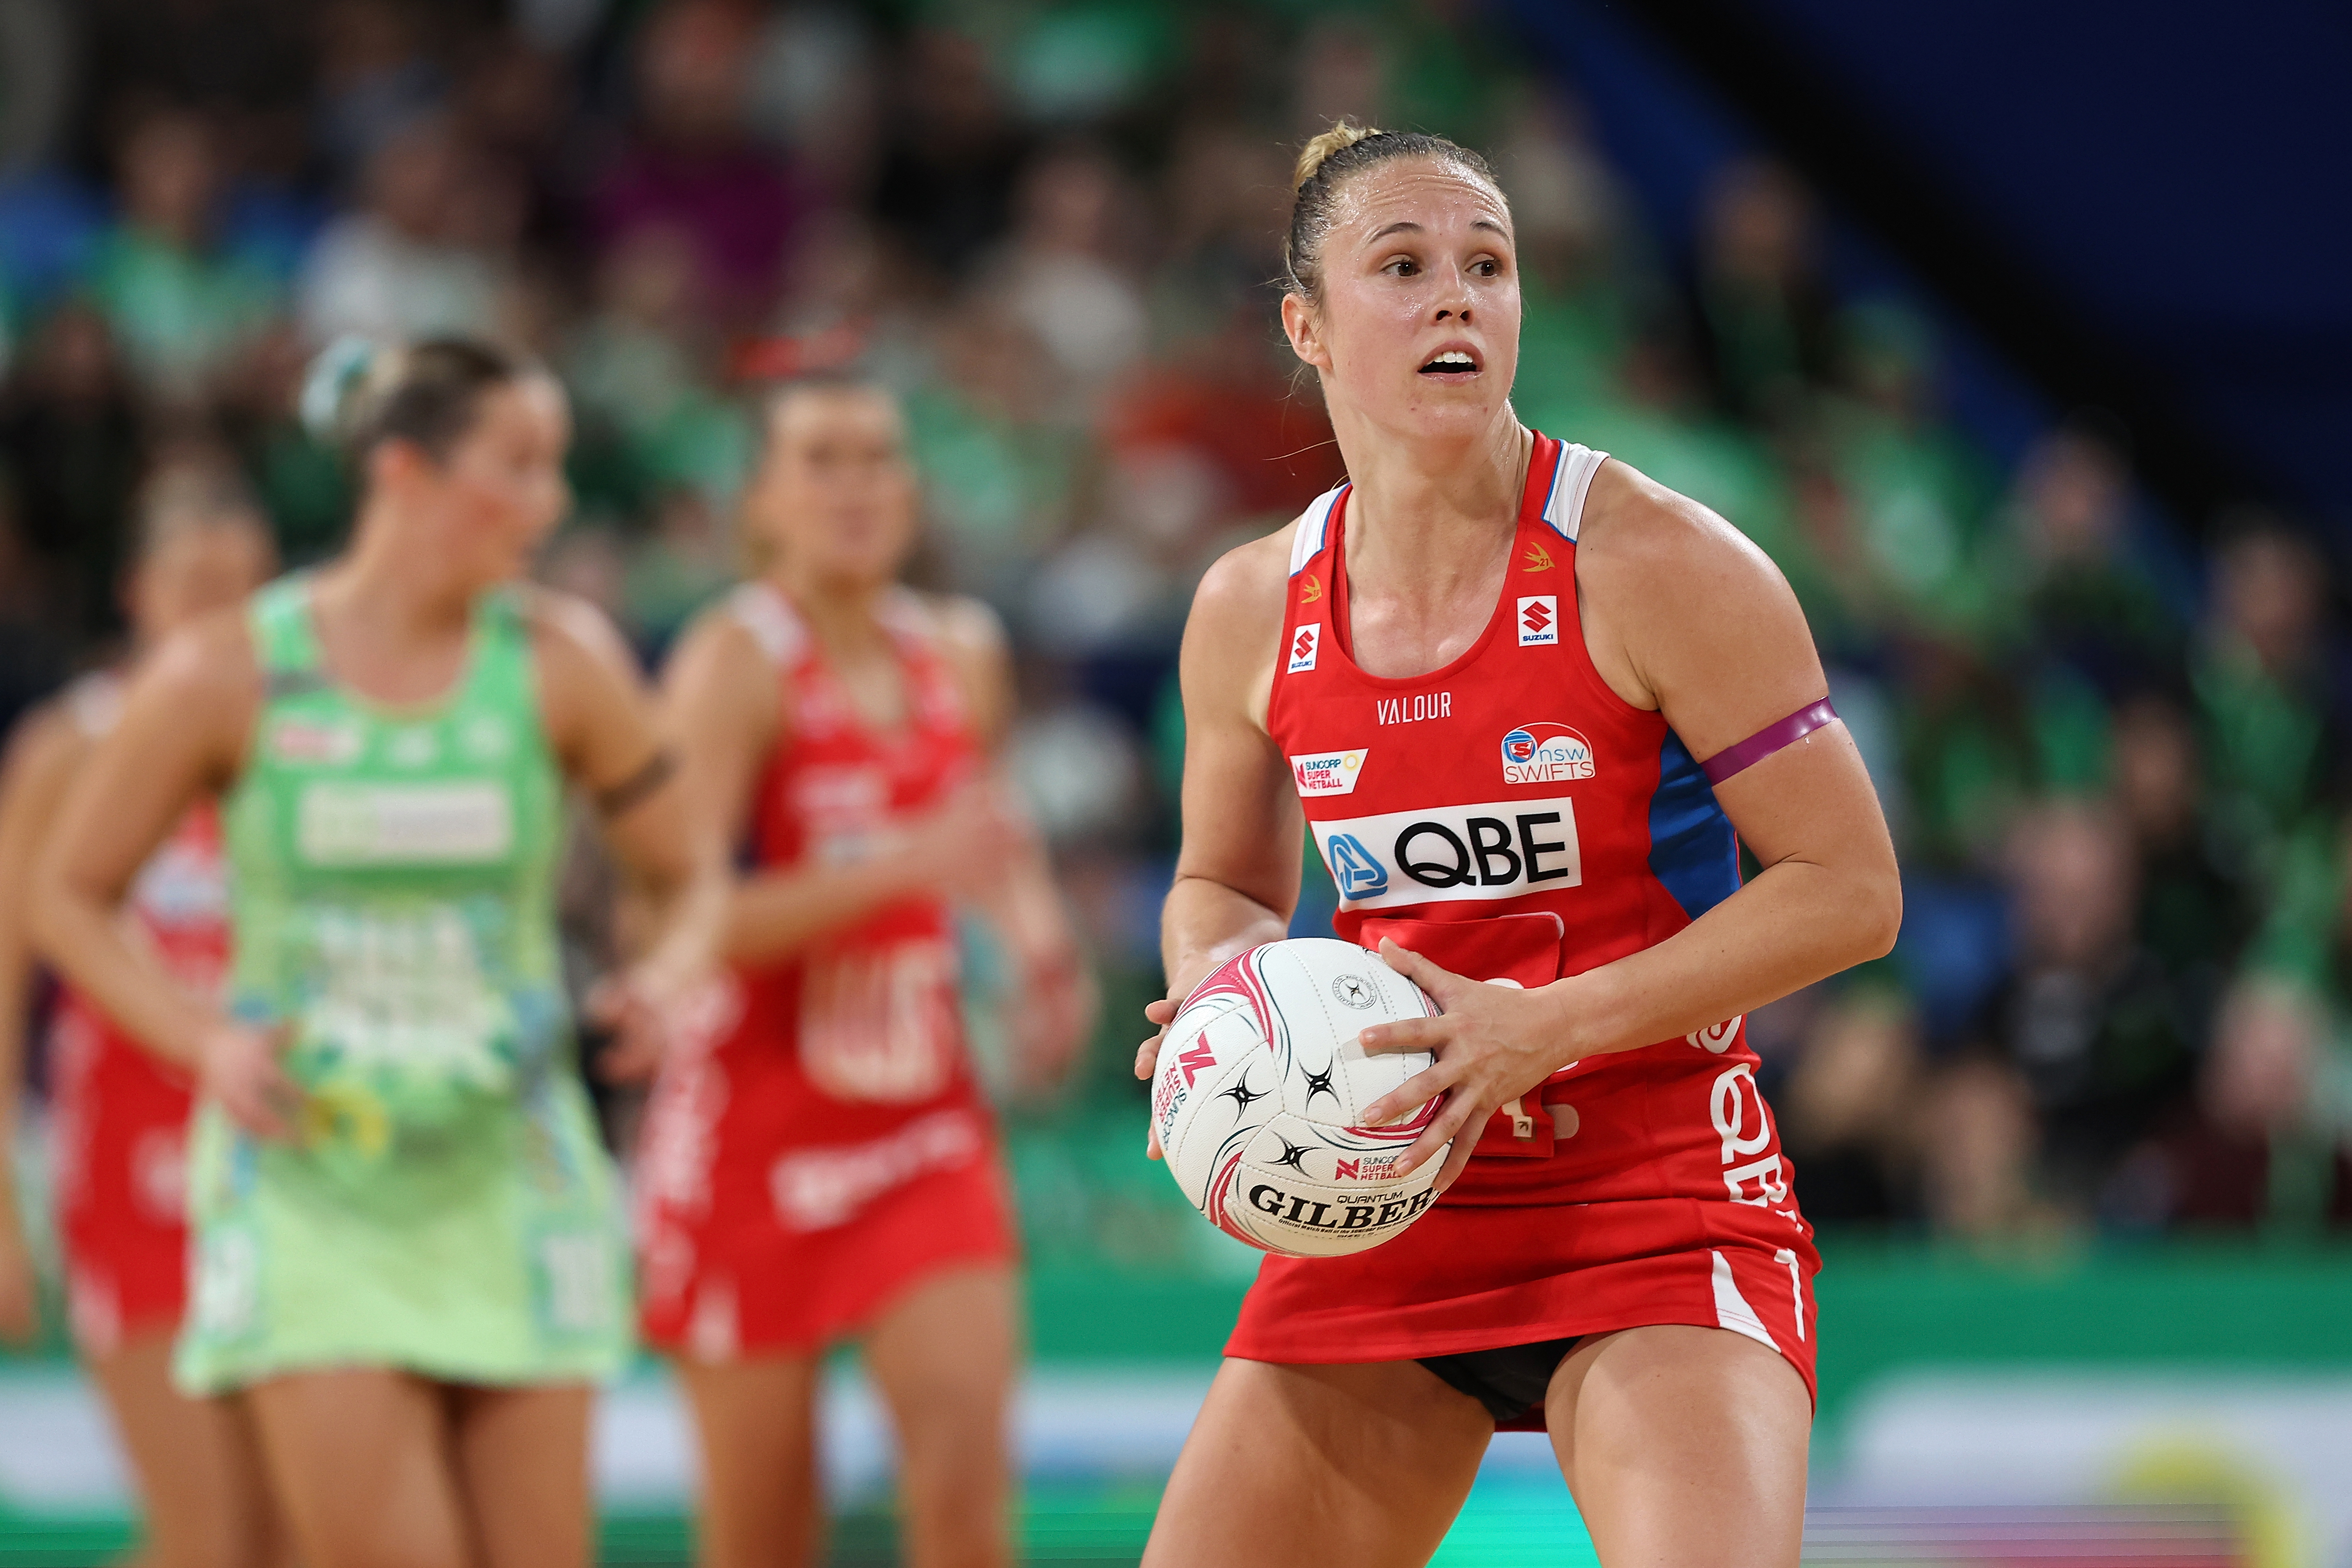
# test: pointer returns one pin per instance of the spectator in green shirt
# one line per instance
(181, 306)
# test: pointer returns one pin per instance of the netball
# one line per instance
(1260, 1094)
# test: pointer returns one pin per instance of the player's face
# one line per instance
(835, 493)
(194, 568)
(1418, 327)
(501, 490)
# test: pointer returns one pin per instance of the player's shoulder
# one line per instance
(1244, 590)
(569, 622)
(48, 738)
(956, 623)
(1638, 534)
(211, 658)
(728, 632)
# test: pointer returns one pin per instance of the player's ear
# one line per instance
(1305, 332)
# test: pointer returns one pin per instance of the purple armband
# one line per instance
(1744, 754)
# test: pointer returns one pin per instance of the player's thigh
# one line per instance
(1365, 1464)
(943, 1356)
(522, 1458)
(359, 1461)
(755, 1424)
(198, 1467)
(1684, 1446)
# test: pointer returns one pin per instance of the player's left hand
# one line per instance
(1056, 1017)
(1493, 1043)
(652, 1009)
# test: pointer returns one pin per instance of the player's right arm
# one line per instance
(725, 711)
(186, 721)
(1238, 872)
(41, 762)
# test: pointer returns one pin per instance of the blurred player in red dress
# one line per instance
(118, 1117)
(1522, 698)
(827, 1167)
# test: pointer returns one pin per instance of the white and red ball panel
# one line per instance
(1321, 994)
(1259, 1096)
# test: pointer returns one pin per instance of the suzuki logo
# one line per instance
(1537, 617)
(1539, 620)
(1302, 648)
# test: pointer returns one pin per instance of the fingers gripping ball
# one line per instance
(1259, 1095)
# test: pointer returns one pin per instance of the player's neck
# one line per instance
(399, 594)
(1428, 511)
(844, 617)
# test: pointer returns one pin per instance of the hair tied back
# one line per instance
(1342, 135)
(327, 389)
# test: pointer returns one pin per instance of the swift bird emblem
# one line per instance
(1537, 559)
(1312, 592)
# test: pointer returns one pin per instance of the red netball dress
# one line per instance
(119, 1115)
(830, 1148)
(1513, 820)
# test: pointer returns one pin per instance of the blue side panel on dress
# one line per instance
(1692, 848)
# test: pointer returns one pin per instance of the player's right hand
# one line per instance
(1147, 1060)
(237, 1065)
(967, 847)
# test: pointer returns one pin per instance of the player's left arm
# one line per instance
(604, 727)
(1686, 616)
(1058, 996)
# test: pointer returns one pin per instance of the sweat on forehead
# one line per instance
(1387, 195)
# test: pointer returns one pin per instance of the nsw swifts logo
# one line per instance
(1546, 753)
(1328, 772)
(1303, 643)
(1539, 620)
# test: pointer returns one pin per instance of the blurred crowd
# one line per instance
(2116, 765)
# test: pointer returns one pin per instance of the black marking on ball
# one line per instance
(1242, 1095)
(1320, 1084)
(1293, 1154)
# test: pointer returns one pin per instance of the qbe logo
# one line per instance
(1539, 620)
(1355, 868)
(1546, 753)
(1303, 643)
(1445, 854)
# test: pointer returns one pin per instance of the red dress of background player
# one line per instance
(827, 1167)
(118, 1114)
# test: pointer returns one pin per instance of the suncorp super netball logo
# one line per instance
(1545, 753)
(1328, 772)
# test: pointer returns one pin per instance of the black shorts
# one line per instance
(1510, 1381)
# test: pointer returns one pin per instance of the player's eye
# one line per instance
(1404, 267)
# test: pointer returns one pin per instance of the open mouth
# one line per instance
(1453, 362)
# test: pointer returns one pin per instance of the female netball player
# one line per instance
(408, 1252)
(118, 1117)
(1569, 689)
(828, 1169)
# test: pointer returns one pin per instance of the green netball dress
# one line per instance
(447, 1209)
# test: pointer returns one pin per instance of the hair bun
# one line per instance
(1339, 139)
(328, 385)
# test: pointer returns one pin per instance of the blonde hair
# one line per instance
(1326, 163)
